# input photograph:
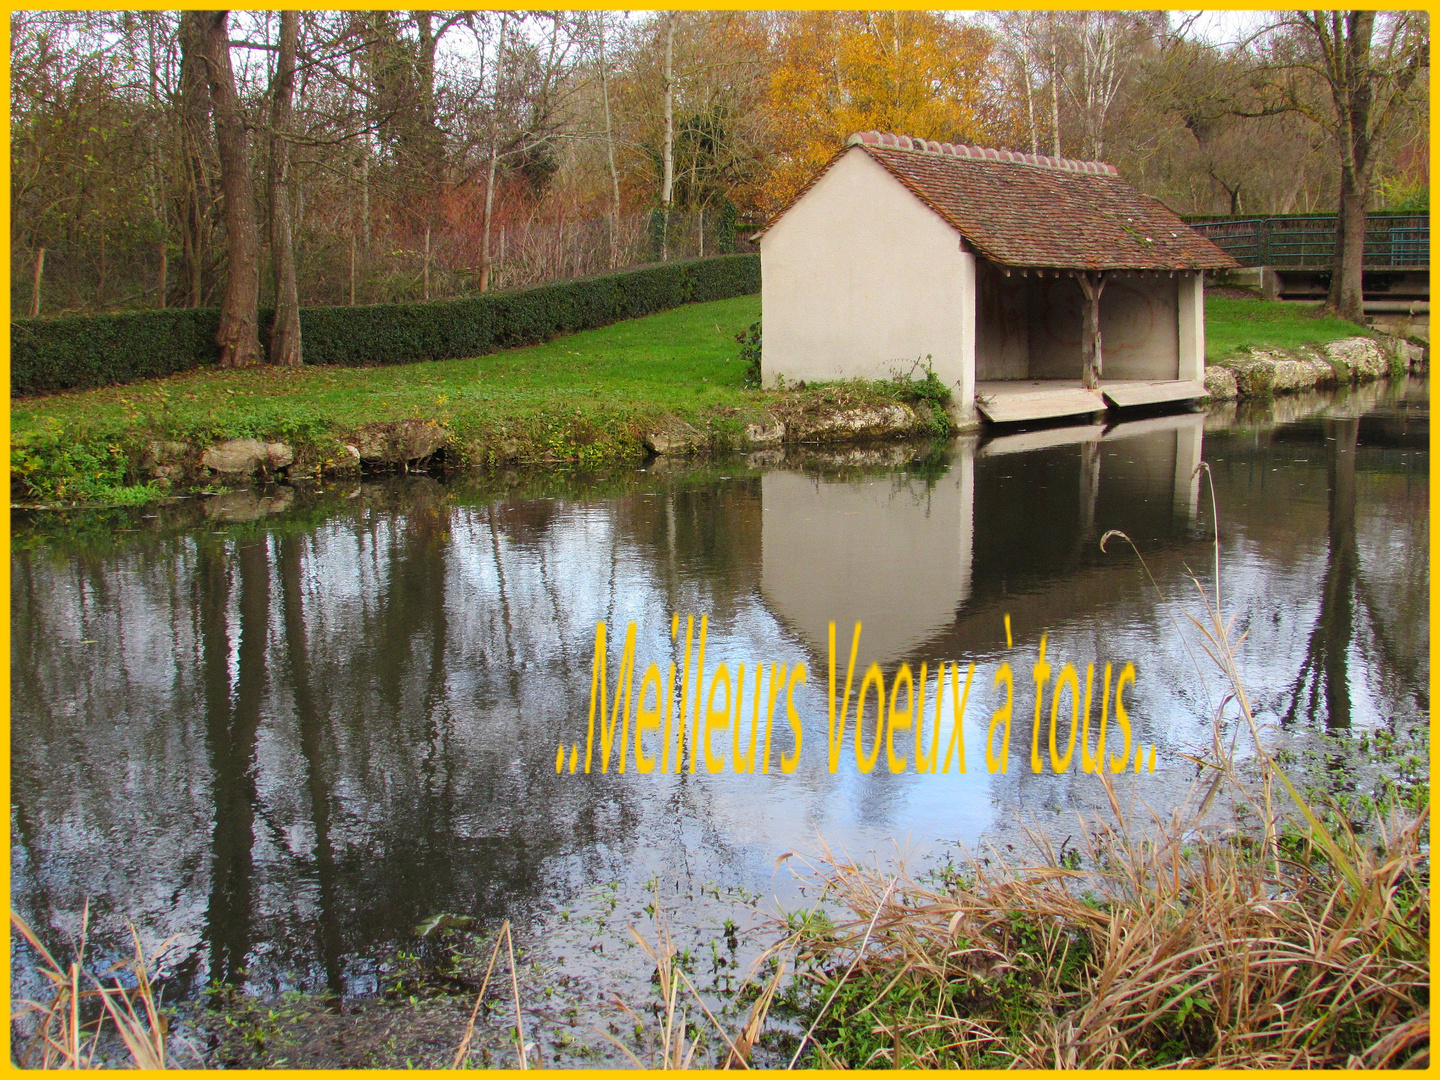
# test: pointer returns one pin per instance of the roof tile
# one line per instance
(1025, 210)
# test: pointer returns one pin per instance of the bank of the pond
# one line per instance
(675, 383)
(1260, 373)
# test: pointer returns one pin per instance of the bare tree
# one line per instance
(285, 349)
(1366, 82)
(667, 184)
(238, 335)
(499, 66)
(609, 145)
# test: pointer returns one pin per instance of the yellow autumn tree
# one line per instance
(919, 73)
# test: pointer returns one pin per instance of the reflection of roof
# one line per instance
(1025, 210)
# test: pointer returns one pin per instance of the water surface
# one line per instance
(278, 732)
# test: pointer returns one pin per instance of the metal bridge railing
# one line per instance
(1392, 241)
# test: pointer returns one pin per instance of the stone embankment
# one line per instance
(413, 444)
(1264, 373)
(793, 422)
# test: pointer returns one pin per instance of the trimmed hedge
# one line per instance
(100, 350)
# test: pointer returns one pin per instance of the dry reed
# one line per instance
(68, 1028)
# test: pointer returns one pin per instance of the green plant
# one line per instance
(749, 340)
(49, 464)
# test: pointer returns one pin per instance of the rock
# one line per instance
(279, 454)
(1362, 355)
(1410, 353)
(866, 421)
(248, 505)
(235, 456)
(170, 461)
(768, 432)
(167, 453)
(396, 443)
(1273, 373)
(676, 438)
(1220, 384)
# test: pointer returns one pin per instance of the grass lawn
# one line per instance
(678, 361)
(1234, 325)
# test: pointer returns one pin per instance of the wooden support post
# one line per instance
(1090, 353)
(35, 287)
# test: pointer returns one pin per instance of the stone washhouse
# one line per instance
(1034, 287)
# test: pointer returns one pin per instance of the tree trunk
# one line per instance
(285, 330)
(197, 197)
(238, 335)
(1090, 353)
(1054, 88)
(164, 276)
(1346, 292)
(35, 283)
(1030, 100)
(431, 142)
(494, 160)
(1351, 86)
(667, 185)
(610, 152)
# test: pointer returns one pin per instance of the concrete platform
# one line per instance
(1014, 400)
(1042, 439)
(1125, 394)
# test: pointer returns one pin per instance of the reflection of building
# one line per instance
(892, 551)
(1013, 275)
(922, 561)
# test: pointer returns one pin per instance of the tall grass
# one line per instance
(1296, 944)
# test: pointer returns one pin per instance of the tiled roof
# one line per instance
(1029, 211)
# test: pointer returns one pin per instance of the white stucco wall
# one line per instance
(1192, 326)
(860, 278)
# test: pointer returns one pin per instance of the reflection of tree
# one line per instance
(1325, 668)
(312, 724)
(231, 730)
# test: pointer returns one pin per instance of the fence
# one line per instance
(1392, 241)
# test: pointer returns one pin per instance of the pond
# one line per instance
(277, 730)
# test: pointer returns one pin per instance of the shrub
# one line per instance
(59, 354)
(78, 351)
(750, 353)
